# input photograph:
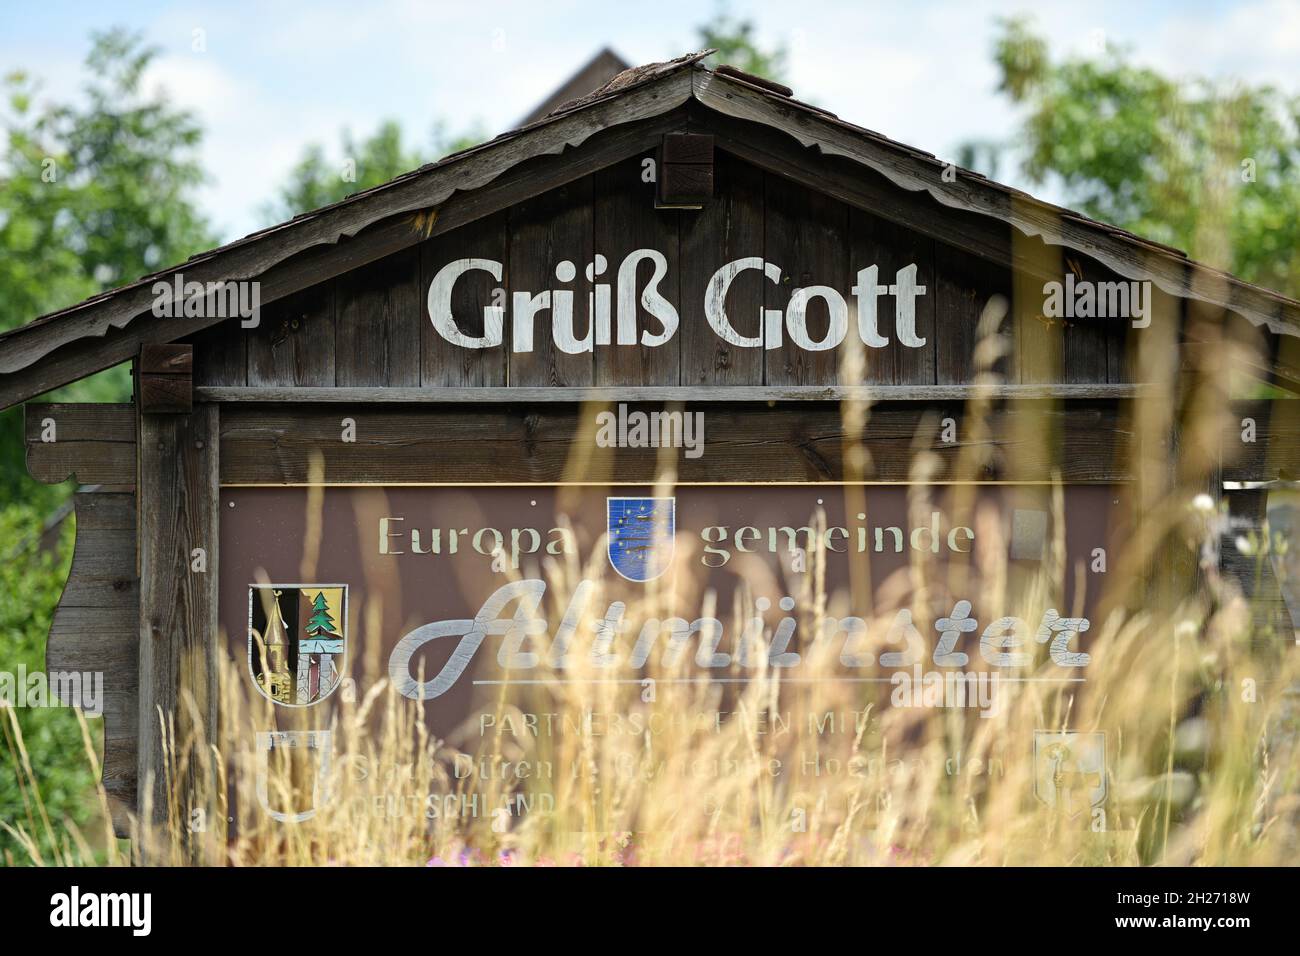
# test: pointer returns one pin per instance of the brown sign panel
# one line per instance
(460, 593)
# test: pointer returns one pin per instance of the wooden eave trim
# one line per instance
(1131, 257)
(252, 257)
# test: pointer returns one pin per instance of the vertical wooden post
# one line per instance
(178, 500)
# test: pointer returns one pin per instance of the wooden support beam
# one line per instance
(178, 616)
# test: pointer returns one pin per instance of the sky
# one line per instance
(273, 77)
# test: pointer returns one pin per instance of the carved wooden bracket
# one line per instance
(166, 379)
(685, 175)
(96, 630)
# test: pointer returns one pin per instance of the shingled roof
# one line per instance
(593, 74)
(71, 343)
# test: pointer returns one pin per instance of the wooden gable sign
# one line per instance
(685, 333)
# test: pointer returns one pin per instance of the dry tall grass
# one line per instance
(1193, 699)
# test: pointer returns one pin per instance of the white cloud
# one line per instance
(248, 147)
(1258, 42)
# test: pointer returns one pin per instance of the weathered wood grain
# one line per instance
(377, 323)
(221, 355)
(165, 378)
(95, 628)
(891, 247)
(912, 170)
(93, 442)
(962, 288)
(330, 226)
(546, 231)
(625, 220)
(686, 185)
(907, 186)
(445, 364)
(294, 344)
(794, 442)
(806, 234)
(777, 152)
(692, 148)
(1274, 451)
(728, 228)
(160, 394)
(178, 605)
(166, 359)
(286, 276)
(1086, 341)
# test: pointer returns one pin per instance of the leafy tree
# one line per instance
(734, 40)
(91, 196)
(1211, 168)
(318, 181)
(132, 168)
(96, 194)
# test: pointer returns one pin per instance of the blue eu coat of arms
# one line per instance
(641, 534)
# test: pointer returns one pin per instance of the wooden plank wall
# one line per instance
(800, 441)
(371, 326)
(96, 628)
(93, 443)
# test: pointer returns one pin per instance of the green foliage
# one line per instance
(39, 265)
(734, 40)
(31, 581)
(133, 167)
(92, 196)
(317, 181)
(15, 483)
(97, 194)
(1209, 168)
